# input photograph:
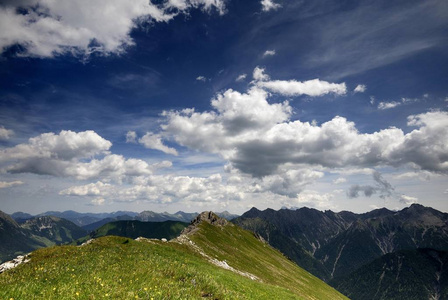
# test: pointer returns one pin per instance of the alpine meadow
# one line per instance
(224, 149)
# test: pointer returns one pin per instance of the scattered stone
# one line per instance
(86, 243)
(21, 259)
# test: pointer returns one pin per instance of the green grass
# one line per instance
(120, 268)
(243, 251)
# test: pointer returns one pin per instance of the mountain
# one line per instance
(212, 259)
(34, 233)
(56, 230)
(83, 219)
(15, 240)
(226, 215)
(407, 274)
(150, 216)
(93, 226)
(134, 229)
(343, 242)
(21, 217)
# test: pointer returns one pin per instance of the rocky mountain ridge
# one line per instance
(342, 242)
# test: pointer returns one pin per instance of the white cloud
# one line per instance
(201, 78)
(52, 28)
(98, 201)
(66, 145)
(131, 137)
(269, 53)
(316, 200)
(71, 154)
(91, 189)
(392, 104)
(6, 184)
(154, 141)
(421, 175)
(408, 200)
(259, 75)
(360, 88)
(340, 180)
(313, 88)
(258, 137)
(241, 77)
(388, 105)
(268, 5)
(372, 100)
(5, 134)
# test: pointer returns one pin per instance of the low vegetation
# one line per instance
(123, 268)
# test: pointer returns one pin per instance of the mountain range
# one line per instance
(92, 221)
(335, 245)
(381, 254)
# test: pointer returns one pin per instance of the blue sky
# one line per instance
(223, 105)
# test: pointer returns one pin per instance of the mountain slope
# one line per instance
(345, 241)
(241, 250)
(57, 230)
(288, 246)
(15, 240)
(208, 262)
(408, 274)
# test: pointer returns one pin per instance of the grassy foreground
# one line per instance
(122, 268)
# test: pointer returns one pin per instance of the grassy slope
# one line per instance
(241, 250)
(121, 268)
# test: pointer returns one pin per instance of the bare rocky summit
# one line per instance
(206, 216)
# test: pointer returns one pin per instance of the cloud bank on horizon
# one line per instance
(286, 135)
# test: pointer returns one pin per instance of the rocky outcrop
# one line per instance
(21, 259)
(206, 216)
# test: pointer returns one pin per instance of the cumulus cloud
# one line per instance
(259, 74)
(5, 134)
(313, 88)
(163, 189)
(46, 28)
(72, 154)
(154, 141)
(7, 184)
(360, 88)
(316, 200)
(288, 183)
(258, 137)
(91, 189)
(269, 53)
(131, 137)
(66, 145)
(267, 5)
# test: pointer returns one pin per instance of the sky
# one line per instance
(196, 105)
